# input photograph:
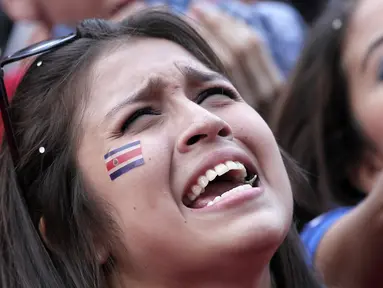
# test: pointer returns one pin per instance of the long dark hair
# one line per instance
(313, 121)
(46, 112)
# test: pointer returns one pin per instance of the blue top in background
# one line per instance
(314, 231)
(279, 25)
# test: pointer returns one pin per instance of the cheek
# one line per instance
(143, 205)
(368, 113)
(133, 188)
(138, 197)
(140, 201)
(142, 186)
(249, 127)
(252, 131)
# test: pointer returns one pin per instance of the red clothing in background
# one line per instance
(11, 81)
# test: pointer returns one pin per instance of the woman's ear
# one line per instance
(366, 173)
(102, 256)
(21, 10)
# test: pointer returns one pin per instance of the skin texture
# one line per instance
(229, 247)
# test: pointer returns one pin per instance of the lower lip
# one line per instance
(232, 201)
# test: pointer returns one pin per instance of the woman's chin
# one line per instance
(259, 232)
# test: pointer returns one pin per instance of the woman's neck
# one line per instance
(231, 278)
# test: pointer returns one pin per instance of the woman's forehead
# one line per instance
(365, 27)
(133, 62)
(143, 63)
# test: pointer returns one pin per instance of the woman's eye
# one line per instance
(380, 72)
(216, 91)
(136, 115)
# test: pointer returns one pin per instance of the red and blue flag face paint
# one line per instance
(121, 160)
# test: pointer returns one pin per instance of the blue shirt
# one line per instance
(314, 231)
(279, 25)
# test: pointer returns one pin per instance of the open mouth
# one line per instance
(219, 182)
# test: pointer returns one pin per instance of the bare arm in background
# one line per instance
(350, 255)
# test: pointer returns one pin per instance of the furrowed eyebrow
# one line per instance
(140, 95)
(146, 91)
(195, 75)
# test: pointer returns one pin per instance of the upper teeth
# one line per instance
(211, 174)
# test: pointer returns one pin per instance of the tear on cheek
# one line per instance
(121, 160)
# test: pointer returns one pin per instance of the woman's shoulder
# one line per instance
(314, 231)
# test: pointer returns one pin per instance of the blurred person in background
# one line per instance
(5, 30)
(258, 61)
(309, 9)
(331, 123)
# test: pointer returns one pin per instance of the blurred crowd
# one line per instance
(312, 69)
(278, 25)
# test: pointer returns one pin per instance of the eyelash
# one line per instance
(199, 99)
(136, 115)
(380, 72)
(216, 91)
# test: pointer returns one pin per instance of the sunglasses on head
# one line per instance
(33, 50)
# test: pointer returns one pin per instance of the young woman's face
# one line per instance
(192, 125)
(363, 63)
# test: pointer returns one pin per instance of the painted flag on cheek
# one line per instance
(121, 160)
